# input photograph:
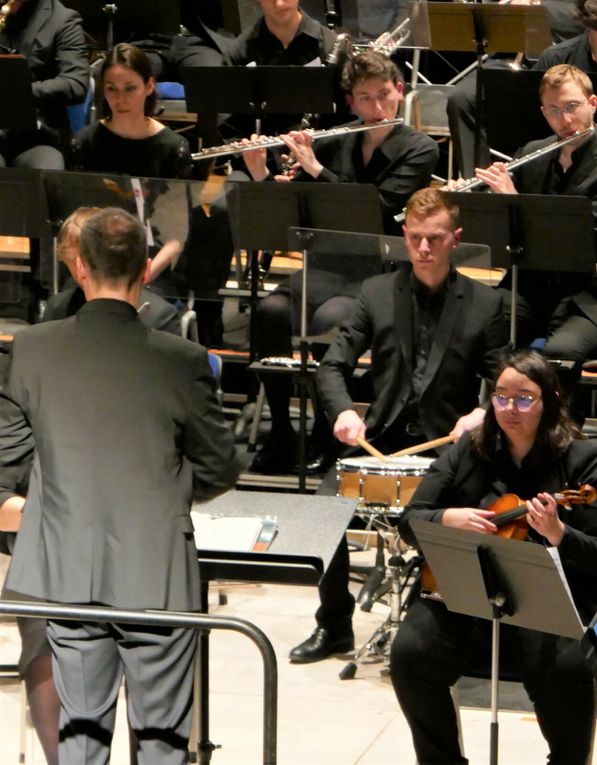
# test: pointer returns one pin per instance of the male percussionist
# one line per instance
(432, 332)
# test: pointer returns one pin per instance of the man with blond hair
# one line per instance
(432, 332)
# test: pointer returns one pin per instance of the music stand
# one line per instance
(504, 580)
(335, 206)
(256, 90)
(17, 107)
(530, 232)
(296, 555)
(482, 28)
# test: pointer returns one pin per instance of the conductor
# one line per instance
(126, 430)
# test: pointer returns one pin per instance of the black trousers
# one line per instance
(434, 647)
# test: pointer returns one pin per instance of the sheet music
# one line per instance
(555, 556)
(243, 534)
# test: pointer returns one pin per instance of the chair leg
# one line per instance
(254, 432)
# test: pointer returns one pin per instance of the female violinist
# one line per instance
(528, 446)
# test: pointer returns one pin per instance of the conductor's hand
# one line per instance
(469, 518)
(468, 421)
(542, 515)
(497, 177)
(300, 144)
(348, 427)
(255, 159)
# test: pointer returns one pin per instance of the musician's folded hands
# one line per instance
(542, 516)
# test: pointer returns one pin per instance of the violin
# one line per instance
(510, 519)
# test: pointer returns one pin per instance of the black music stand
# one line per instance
(340, 207)
(504, 580)
(529, 232)
(309, 530)
(17, 107)
(481, 28)
(256, 90)
(512, 108)
(127, 19)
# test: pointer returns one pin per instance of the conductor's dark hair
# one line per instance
(586, 12)
(556, 429)
(364, 66)
(114, 247)
(132, 58)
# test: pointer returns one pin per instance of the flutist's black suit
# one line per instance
(563, 303)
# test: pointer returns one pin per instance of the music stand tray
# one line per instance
(452, 27)
(259, 90)
(17, 107)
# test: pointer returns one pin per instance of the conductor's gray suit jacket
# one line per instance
(127, 432)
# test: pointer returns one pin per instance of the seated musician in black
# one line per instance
(527, 445)
(432, 333)
(196, 45)
(397, 160)
(581, 50)
(283, 36)
(562, 306)
(51, 38)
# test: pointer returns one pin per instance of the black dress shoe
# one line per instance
(320, 645)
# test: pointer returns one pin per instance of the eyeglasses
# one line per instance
(570, 108)
(520, 403)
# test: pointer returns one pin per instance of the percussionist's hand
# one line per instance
(542, 516)
(300, 144)
(497, 177)
(348, 427)
(467, 422)
(255, 159)
(469, 518)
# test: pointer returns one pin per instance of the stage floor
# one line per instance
(322, 720)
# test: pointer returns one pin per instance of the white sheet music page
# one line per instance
(555, 555)
(218, 532)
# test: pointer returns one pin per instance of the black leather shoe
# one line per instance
(320, 645)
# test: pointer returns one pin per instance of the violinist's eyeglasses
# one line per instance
(520, 403)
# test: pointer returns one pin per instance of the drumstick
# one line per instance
(423, 447)
(371, 449)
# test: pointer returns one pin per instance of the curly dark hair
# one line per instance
(586, 12)
(365, 66)
(131, 57)
(556, 429)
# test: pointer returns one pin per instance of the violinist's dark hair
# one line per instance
(556, 429)
(132, 58)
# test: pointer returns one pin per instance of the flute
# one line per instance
(474, 183)
(267, 142)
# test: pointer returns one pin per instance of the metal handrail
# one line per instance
(174, 619)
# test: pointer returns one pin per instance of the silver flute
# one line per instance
(267, 142)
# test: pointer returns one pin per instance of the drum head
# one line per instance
(409, 465)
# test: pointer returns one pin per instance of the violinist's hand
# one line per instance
(542, 516)
(348, 427)
(300, 144)
(497, 177)
(468, 422)
(469, 518)
(255, 159)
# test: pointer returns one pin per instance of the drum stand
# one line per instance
(403, 586)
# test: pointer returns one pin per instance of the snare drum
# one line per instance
(373, 482)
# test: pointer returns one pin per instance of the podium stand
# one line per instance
(504, 580)
(309, 530)
(17, 107)
(482, 28)
(530, 232)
